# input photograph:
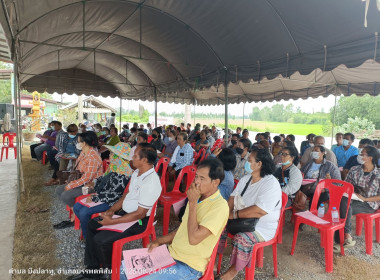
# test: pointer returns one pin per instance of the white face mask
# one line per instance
(311, 145)
(79, 146)
(360, 159)
(315, 155)
(96, 129)
(360, 151)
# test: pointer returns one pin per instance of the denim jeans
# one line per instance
(84, 214)
(179, 271)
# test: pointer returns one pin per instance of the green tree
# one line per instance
(357, 125)
(363, 107)
(5, 85)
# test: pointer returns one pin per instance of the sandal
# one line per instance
(348, 243)
(64, 224)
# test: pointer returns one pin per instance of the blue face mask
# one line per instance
(247, 167)
(72, 136)
(345, 142)
(286, 163)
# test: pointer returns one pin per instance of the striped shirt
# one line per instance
(90, 165)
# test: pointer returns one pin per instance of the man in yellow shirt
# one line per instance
(205, 217)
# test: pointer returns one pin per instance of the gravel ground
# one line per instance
(307, 262)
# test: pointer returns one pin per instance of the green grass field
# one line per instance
(273, 127)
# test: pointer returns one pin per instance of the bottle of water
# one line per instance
(335, 215)
(321, 210)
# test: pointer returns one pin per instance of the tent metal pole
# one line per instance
(155, 107)
(243, 113)
(334, 118)
(121, 106)
(225, 108)
(20, 181)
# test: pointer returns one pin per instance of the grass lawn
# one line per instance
(273, 127)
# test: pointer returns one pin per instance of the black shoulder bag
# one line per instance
(235, 226)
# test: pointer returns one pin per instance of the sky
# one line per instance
(309, 105)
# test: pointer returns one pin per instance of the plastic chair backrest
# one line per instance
(282, 213)
(190, 172)
(10, 137)
(209, 272)
(164, 162)
(336, 190)
(218, 144)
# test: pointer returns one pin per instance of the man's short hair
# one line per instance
(216, 170)
(147, 151)
(58, 122)
(72, 128)
(113, 114)
(352, 137)
(143, 135)
(236, 135)
(366, 141)
(246, 143)
(291, 137)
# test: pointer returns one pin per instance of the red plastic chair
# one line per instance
(163, 149)
(44, 154)
(118, 245)
(10, 145)
(150, 138)
(217, 145)
(106, 163)
(176, 195)
(336, 188)
(258, 249)
(164, 162)
(368, 226)
(199, 156)
(209, 272)
(236, 182)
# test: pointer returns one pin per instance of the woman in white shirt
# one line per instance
(258, 195)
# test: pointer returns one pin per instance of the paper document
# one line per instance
(89, 204)
(138, 262)
(308, 181)
(311, 217)
(118, 227)
(355, 197)
(178, 205)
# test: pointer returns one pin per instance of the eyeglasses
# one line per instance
(284, 155)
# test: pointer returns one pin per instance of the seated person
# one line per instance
(48, 132)
(183, 155)
(171, 144)
(318, 141)
(228, 158)
(261, 199)
(288, 175)
(89, 164)
(109, 188)
(98, 129)
(112, 140)
(136, 204)
(133, 138)
(352, 161)
(67, 142)
(202, 142)
(276, 146)
(50, 141)
(124, 135)
(141, 138)
(246, 136)
(366, 181)
(206, 214)
(242, 154)
(344, 152)
(319, 168)
(157, 142)
(234, 142)
(308, 143)
(339, 141)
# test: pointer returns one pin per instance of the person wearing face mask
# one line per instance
(352, 161)
(319, 168)
(47, 132)
(257, 195)
(344, 152)
(234, 142)
(98, 129)
(89, 164)
(366, 198)
(157, 141)
(66, 151)
(124, 135)
(318, 141)
(202, 142)
(170, 146)
(288, 175)
(112, 140)
(242, 154)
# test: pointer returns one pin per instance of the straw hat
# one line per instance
(121, 149)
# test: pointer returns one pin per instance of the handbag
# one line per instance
(299, 202)
(66, 176)
(235, 226)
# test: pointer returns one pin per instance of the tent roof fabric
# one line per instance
(186, 50)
